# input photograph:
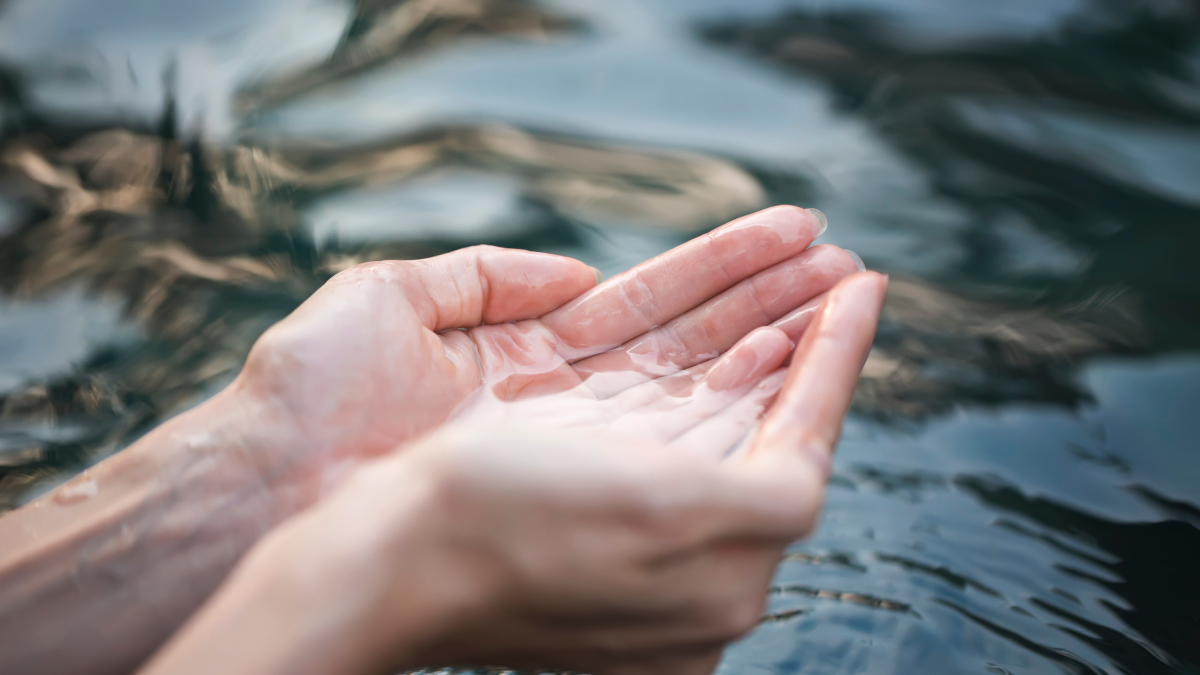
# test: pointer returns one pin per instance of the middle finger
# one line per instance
(661, 289)
(708, 330)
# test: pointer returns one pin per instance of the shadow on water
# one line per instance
(1016, 491)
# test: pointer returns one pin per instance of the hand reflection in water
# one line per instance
(572, 514)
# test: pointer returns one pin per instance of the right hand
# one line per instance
(527, 549)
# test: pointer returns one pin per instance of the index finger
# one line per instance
(665, 287)
(807, 417)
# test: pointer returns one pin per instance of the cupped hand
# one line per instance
(388, 351)
(528, 548)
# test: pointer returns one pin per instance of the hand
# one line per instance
(375, 359)
(518, 548)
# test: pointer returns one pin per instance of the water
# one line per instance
(1017, 490)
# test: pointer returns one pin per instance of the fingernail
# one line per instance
(857, 260)
(820, 219)
(599, 275)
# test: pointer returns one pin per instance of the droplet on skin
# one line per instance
(75, 493)
(201, 442)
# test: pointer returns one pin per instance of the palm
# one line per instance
(707, 406)
(376, 358)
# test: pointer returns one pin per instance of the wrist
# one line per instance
(147, 534)
(266, 451)
(334, 589)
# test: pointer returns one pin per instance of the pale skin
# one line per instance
(400, 554)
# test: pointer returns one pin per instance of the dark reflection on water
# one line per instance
(1017, 490)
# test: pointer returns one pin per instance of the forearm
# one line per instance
(312, 596)
(260, 622)
(98, 573)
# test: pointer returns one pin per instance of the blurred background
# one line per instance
(1017, 489)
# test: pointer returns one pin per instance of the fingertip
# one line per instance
(757, 354)
(837, 262)
(771, 344)
(771, 335)
(822, 220)
(791, 225)
(865, 284)
(880, 280)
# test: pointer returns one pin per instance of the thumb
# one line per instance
(485, 284)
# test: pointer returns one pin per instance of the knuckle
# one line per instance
(275, 348)
(676, 344)
(484, 249)
(370, 269)
(478, 255)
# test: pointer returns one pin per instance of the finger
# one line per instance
(661, 289)
(717, 324)
(807, 418)
(665, 409)
(778, 488)
(718, 435)
(744, 364)
(795, 322)
(488, 285)
(519, 360)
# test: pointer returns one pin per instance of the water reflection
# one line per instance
(382, 30)
(174, 178)
(1147, 568)
(1085, 134)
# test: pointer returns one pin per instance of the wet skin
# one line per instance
(520, 545)
(387, 352)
